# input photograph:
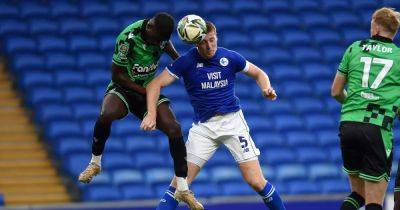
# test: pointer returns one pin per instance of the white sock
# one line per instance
(96, 159)
(181, 184)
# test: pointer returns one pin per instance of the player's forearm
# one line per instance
(340, 96)
(262, 80)
(119, 77)
(153, 93)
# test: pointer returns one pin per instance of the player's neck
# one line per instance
(382, 37)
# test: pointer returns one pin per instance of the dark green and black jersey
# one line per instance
(372, 69)
(138, 58)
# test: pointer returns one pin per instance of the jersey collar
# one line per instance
(381, 38)
(143, 30)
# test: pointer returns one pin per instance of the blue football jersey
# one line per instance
(210, 83)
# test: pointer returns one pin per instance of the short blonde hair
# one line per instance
(387, 18)
(211, 27)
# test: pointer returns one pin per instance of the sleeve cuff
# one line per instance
(342, 72)
(119, 63)
(246, 67)
(172, 74)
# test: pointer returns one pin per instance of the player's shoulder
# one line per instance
(131, 30)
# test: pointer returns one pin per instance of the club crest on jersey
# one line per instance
(199, 65)
(223, 61)
(123, 50)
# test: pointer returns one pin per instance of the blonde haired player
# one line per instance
(371, 70)
(209, 74)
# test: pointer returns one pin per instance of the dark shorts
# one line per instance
(134, 101)
(364, 152)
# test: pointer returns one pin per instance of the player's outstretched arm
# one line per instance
(170, 50)
(337, 91)
(153, 93)
(120, 77)
(262, 80)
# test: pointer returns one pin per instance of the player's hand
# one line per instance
(148, 123)
(269, 93)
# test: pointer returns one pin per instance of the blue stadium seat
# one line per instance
(74, 164)
(205, 190)
(30, 9)
(92, 60)
(249, 6)
(101, 193)
(124, 8)
(233, 39)
(75, 26)
(258, 123)
(391, 3)
(322, 88)
(114, 144)
(78, 94)
(87, 127)
(20, 45)
(140, 143)
(69, 78)
(90, 9)
(278, 107)
(317, 71)
(318, 172)
(265, 139)
(334, 186)
(216, 7)
(225, 174)
(136, 191)
(275, 6)
(323, 36)
(306, 5)
(105, 26)
(64, 9)
(290, 172)
(51, 112)
(281, 20)
(13, 27)
(149, 8)
(176, 91)
(149, 160)
(28, 61)
(99, 77)
(268, 171)
(296, 89)
(43, 95)
(113, 161)
(343, 18)
(226, 22)
(67, 146)
(296, 38)
(186, 7)
(51, 43)
(107, 43)
(250, 106)
(333, 106)
(35, 79)
(317, 122)
(305, 54)
(158, 175)
(333, 53)
(279, 55)
(221, 158)
(307, 155)
(82, 43)
(364, 4)
(300, 138)
(58, 129)
(335, 154)
(126, 128)
(86, 111)
(60, 61)
(203, 176)
(252, 22)
(303, 187)
(8, 11)
(354, 34)
(285, 72)
(182, 108)
(276, 156)
(328, 137)
(43, 26)
(287, 122)
(236, 189)
(335, 5)
(126, 177)
(264, 38)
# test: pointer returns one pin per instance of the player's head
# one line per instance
(385, 22)
(208, 46)
(159, 28)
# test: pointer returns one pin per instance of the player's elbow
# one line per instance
(335, 93)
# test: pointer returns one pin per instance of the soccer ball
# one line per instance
(192, 29)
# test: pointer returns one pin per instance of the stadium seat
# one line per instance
(236, 189)
(323, 87)
(234, 39)
(158, 175)
(221, 158)
(74, 164)
(113, 161)
(391, 3)
(35, 79)
(8, 11)
(149, 159)
(140, 143)
(287, 122)
(290, 172)
(317, 71)
(67, 146)
(354, 34)
(114, 144)
(300, 138)
(335, 5)
(82, 43)
(105, 26)
(303, 187)
(101, 193)
(257, 123)
(225, 174)
(124, 8)
(252, 22)
(205, 190)
(60, 61)
(281, 21)
(294, 38)
(318, 172)
(305, 54)
(28, 10)
(308, 155)
(149, 8)
(69, 78)
(43, 26)
(308, 105)
(126, 176)
(92, 60)
(276, 6)
(54, 111)
(75, 26)
(78, 94)
(264, 38)
(51, 43)
(364, 4)
(58, 129)
(306, 5)
(90, 9)
(276, 55)
(61, 9)
(296, 89)
(215, 7)
(43, 95)
(27, 61)
(328, 138)
(335, 154)
(13, 27)
(276, 156)
(265, 139)
(186, 7)
(86, 111)
(20, 44)
(250, 6)
(277, 107)
(335, 186)
(226, 22)
(316, 122)
(343, 18)
(323, 36)
(136, 191)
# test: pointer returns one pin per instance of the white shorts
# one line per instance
(230, 129)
